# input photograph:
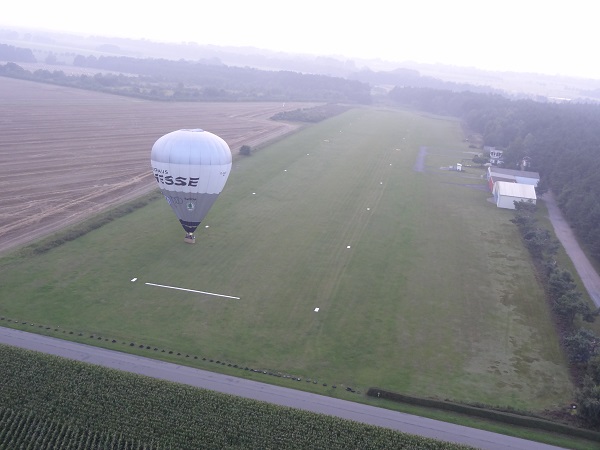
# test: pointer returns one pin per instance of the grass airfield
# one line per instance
(422, 285)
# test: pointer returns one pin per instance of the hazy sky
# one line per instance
(555, 37)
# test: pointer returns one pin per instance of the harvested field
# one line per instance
(68, 153)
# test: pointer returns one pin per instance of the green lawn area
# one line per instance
(422, 285)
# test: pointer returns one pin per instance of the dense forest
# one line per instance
(560, 140)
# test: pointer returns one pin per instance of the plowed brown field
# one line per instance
(68, 153)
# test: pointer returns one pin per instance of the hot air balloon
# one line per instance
(191, 168)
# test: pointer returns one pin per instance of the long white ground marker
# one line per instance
(192, 290)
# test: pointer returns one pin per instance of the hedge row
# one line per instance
(498, 416)
(89, 225)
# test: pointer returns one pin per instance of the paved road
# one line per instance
(564, 233)
(268, 393)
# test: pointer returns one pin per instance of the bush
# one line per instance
(582, 345)
(489, 414)
(588, 402)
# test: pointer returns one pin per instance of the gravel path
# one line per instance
(564, 233)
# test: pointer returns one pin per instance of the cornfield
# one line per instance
(54, 403)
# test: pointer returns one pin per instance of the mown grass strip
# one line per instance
(423, 286)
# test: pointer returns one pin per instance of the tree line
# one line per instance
(235, 83)
(183, 80)
(11, 53)
(570, 309)
(560, 140)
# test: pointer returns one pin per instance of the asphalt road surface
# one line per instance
(564, 233)
(266, 392)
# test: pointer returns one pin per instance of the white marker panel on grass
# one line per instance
(192, 290)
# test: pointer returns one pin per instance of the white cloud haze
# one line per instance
(524, 36)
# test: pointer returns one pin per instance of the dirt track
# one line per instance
(67, 153)
(564, 233)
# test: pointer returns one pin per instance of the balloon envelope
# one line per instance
(191, 168)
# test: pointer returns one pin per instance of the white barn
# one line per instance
(506, 193)
(495, 174)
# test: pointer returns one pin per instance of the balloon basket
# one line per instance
(189, 239)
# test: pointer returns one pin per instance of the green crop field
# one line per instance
(422, 285)
(73, 405)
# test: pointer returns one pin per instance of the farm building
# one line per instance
(506, 193)
(495, 174)
(495, 154)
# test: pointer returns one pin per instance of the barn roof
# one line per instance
(514, 173)
(500, 177)
(517, 190)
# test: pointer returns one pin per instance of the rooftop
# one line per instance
(515, 173)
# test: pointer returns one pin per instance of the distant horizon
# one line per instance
(556, 39)
(380, 61)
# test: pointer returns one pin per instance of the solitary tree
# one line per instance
(245, 150)
(51, 59)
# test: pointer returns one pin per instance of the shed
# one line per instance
(506, 194)
(495, 174)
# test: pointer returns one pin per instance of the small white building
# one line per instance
(506, 193)
(495, 154)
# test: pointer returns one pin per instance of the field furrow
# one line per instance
(69, 147)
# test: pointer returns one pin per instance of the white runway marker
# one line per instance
(192, 290)
(133, 279)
